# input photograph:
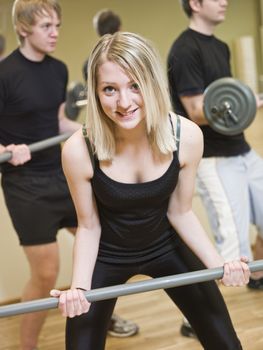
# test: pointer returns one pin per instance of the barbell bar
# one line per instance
(38, 146)
(81, 103)
(127, 289)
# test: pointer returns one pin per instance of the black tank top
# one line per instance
(133, 217)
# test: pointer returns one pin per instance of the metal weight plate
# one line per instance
(229, 106)
(76, 92)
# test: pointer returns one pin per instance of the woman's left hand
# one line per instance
(236, 273)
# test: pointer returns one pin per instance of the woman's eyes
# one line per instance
(135, 87)
(110, 90)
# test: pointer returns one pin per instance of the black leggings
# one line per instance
(202, 303)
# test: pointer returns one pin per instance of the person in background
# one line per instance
(230, 174)
(32, 95)
(131, 172)
(104, 22)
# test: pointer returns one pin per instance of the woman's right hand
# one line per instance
(72, 302)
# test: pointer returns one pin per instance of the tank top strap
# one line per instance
(176, 133)
(85, 135)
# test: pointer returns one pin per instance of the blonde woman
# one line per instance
(132, 188)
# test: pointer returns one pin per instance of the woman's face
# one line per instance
(119, 95)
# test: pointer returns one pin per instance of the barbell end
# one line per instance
(229, 106)
(81, 103)
(214, 110)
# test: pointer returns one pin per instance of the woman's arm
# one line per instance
(180, 213)
(78, 171)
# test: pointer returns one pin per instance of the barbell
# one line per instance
(38, 146)
(76, 95)
(127, 289)
(229, 105)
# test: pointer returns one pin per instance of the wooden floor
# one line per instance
(159, 322)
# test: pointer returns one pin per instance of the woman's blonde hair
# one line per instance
(24, 14)
(138, 58)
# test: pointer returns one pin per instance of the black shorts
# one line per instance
(39, 205)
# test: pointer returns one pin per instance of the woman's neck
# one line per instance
(131, 136)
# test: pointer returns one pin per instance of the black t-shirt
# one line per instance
(30, 96)
(195, 61)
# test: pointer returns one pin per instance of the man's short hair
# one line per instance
(25, 11)
(106, 22)
(187, 8)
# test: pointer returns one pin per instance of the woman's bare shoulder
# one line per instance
(190, 131)
(191, 137)
(75, 155)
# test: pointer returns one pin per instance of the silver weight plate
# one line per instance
(75, 92)
(229, 106)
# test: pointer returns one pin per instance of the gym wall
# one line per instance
(160, 21)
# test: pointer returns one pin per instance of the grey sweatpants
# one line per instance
(231, 189)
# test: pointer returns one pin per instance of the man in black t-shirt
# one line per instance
(230, 175)
(32, 94)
